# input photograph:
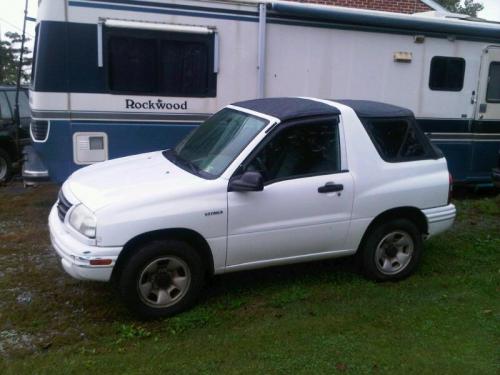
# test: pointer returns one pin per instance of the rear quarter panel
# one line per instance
(380, 186)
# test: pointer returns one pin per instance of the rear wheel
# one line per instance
(5, 166)
(161, 279)
(392, 250)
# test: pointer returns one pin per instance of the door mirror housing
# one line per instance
(248, 181)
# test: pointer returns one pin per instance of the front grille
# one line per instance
(62, 206)
(39, 129)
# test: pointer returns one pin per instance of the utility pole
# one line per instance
(17, 117)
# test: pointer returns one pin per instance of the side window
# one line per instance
(5, 113)
(161, 63)
(493, 91)
(132, 64)
(447, 73)
(24, 105)
(300, 150)
(184, 68)
(395, 140)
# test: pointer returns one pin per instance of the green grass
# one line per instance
(302, 319)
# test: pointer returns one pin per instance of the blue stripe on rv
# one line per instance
(57, 151)
(467, 155)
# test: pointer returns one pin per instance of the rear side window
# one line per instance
(447, 73)
(493, 91)
(397, 140)
(132, 64)
(160, 63)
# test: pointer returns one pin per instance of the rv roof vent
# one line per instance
(419, 39)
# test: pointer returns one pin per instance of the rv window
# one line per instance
(160, 63)
(447, 73)
(132, 64)
(395, 139)
(493, 91)
(183, 68)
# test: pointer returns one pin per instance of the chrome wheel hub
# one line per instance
(394, 252)
(164, 282)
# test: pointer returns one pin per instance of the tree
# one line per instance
(10, 50)
(469, 7)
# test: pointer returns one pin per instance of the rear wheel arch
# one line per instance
(193, 238)
(413, 214)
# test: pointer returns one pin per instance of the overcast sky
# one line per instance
(11, 14)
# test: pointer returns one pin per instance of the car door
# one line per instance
(305, 207)
(486, 127)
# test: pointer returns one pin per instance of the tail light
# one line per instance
(450, 187)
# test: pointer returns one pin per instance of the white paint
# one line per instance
(299, 61)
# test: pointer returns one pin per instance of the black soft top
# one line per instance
(289, 108)
(293, 108)
(371, 109)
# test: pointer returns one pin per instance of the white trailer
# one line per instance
(117, 77)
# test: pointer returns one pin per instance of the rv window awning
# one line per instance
(158, 26)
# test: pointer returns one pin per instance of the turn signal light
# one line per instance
(100, 262)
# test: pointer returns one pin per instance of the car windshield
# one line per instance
(213, 146)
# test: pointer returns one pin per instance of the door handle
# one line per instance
(330, 187)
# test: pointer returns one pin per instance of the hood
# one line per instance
(137, 177)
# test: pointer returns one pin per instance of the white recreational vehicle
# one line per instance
(118, 77)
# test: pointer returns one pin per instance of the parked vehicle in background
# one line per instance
(261, 183)
(13, 136)
(115, 78)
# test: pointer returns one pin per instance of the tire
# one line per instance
(391, 251)
(161, 279)
(5, 166)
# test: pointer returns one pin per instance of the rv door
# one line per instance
(489, 85)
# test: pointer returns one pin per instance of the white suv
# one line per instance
(261, 183)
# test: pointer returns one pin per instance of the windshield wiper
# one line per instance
(171, 155)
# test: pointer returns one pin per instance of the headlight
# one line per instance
(83, 220)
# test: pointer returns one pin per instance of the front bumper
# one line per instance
(440, 219)
(76, 256)
(495, 176)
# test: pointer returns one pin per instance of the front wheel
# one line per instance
(391, 251)
(162, 278)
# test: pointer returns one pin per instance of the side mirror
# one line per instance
(248, 181)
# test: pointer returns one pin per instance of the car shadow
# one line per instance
(300, 273)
